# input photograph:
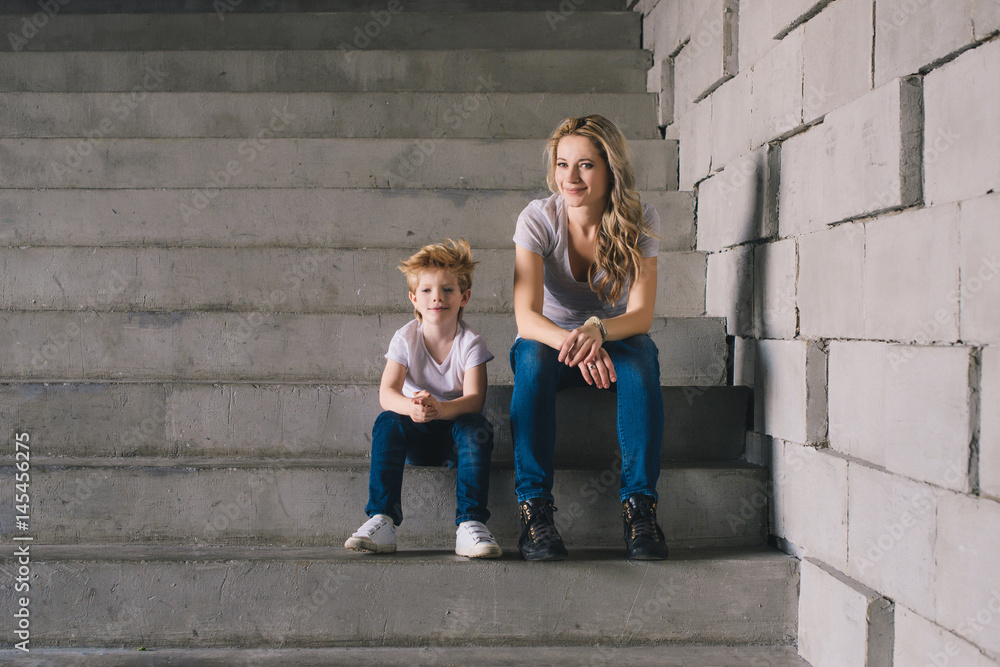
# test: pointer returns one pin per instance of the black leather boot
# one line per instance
(539, 538)
(643, 537)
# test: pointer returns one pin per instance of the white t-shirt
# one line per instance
(542, 229)
(444, 381)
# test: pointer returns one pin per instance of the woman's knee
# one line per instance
(531, 358)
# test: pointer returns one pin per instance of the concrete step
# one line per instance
(309, 280)
(474, 71)
(210, 346)
(317, 217)
(663, 655)
(190, 597)
(347, 30)
(321, 502)
(280, 421)
(203, 166)
(226, 9)
(348, 115)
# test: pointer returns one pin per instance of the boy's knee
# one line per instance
(475, 429)
(389, 418)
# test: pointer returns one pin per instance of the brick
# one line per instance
(810, 501)
(790, 383)
(731, 120)
(911, 276)
(921, 642)
(775, 269)
(738, 204)
(904, 408)
(695, 151)
(729, 291)
(660, 79)
(841, 621)
(837, 56)
(744, 359)
(776, 98)
(786, 14)
(831, 268)
(985, 17)
(710, 57)
(967, 586)
(755, 36)
(864, 158)
(912, 34)
(680, 285)
(962, 128)
(980, 263)
(891, 536)
(989, 429)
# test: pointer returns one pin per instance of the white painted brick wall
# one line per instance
(910, 34)
(980, 258)
(710, 56)
(920, 642)
(911, 276)
(744, 359)
(810, 501)
(967, 588)
(775, 269)
(790, 381)
(862, 159)
(962, 127)
(985, 17)
(695, 156)
(755, 37)
(734, 206)
(788, 13)
(837, 56)
(891, 536)
(989, 433)
(831, 268)
(841, 621)
(731, 120)
(776, 97)
(904, 408)
(729, 291)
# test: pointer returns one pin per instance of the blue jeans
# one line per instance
(538, 375)
(397, 439)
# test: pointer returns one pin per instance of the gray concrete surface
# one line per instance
(297, 163)
(364, 70)
(258, 346)
(320, 503)
(661, 655)
(309, 280)
(186, 597)
(338, 218)
(348, 115)
(320, 421)
(269, 6)
(405, 29)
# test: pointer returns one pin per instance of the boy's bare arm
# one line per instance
(390, 395)
(473, 395)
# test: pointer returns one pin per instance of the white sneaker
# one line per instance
(377, 535)
(474, 540)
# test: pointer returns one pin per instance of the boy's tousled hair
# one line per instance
(456, 259)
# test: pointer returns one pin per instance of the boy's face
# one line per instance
(438, 297)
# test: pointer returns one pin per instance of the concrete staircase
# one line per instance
(200, 217)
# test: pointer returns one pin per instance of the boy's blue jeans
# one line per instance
(538, 375)
(397, 439)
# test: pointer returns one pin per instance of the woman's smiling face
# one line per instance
(581, 174)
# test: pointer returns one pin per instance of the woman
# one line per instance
(584, 293)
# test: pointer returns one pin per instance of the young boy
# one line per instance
(433, 390)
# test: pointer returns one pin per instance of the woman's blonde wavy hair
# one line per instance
(617, 250)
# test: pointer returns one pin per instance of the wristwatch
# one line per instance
(595, 320)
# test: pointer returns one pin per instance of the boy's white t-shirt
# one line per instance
(444, 381)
